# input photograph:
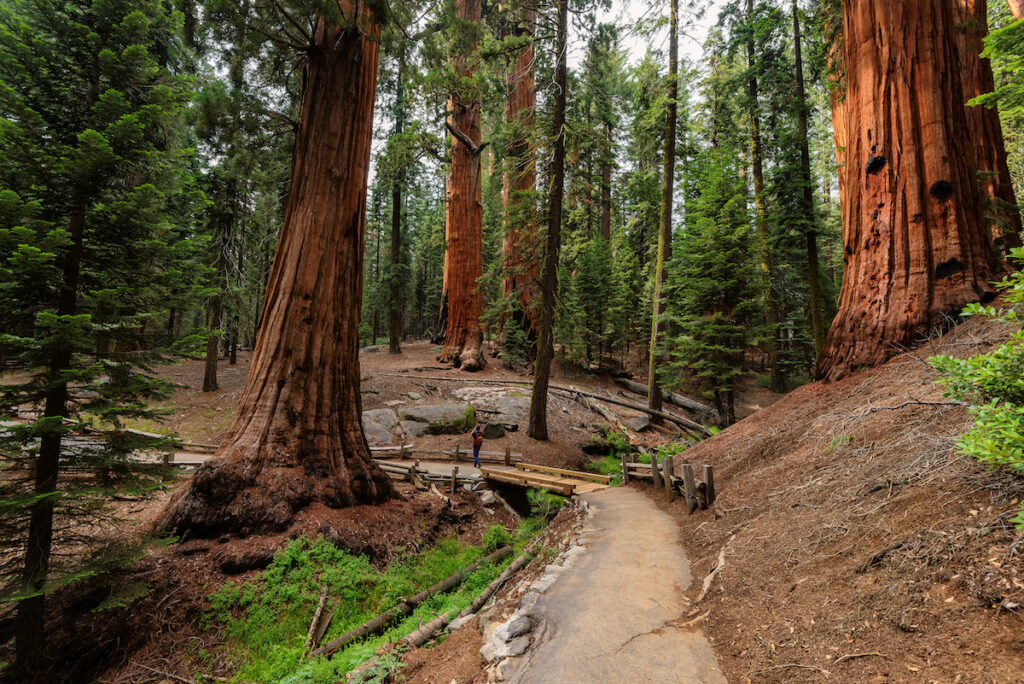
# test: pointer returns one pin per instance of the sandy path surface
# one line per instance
(617, 616)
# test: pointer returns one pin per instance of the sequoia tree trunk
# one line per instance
(538, 427)
(519, 246)
(463, 256)
(298, 439)
(986, 132)
(665, 234)
(771, 304)
(914, 236)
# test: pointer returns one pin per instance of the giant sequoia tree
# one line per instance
(463, 256)
(298, 438)
(914, 235)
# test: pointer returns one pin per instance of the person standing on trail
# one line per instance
(478, 441)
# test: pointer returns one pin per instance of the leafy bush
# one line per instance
(608, 465)
(495, 537)
(543, 503)
(993, 385)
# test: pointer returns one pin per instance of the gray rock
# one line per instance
(541, 585)
(371, 350)
(415, 396)
(515, 626)
(487, 652)
(412, 429)
(510, 427)
(459, 622)
(638, 424)
(528, 601)
(504, 670)
(441, 419)
(487, 498)
(516, 647)
(493, 430)
(379, 425)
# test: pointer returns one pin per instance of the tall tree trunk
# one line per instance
(916, 246)
(216, 314)
(297, 439)
(519, 243)
(395, 282)
(771, 304)
(816, 304)
(665, 234)
(538, 428)
(463, 257)
(29, 626)
(986, 131)
(376, 283)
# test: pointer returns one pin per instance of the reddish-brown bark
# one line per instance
(916, 246)
(519, 243)
(985, 129)
(463, 256)
(298, 437)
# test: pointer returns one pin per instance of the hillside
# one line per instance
(858, 544)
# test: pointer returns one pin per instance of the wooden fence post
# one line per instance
(455, 477)
(709, 483)
(668, 479)
(458, 452)
(625, 470)
(689, 488)
(655, 475)
(508, 455)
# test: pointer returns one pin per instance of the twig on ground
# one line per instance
(851, 656)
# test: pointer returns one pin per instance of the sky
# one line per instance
(693, 31)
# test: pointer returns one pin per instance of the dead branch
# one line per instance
(851, 656)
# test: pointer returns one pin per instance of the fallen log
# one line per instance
(685, 423)
(672, 398)
(405, 607)
(315, 624)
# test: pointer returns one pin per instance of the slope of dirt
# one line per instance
(859, 545)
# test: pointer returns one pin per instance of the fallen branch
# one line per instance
(718, 568)
(789, 665)
(406, 606)
(601, 411)
(315, 624)
(851, 656)
(670, 397)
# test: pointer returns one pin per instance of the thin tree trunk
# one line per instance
(771, 304)
(297, 439)
(29, 627)
(985, 128)
(606, 185)
(519, 243)
(665, 234)
(216, 316)
(376, 285)
(538, 428)
(916, 246)
(395, 327)
(816, 305)
(463, 262)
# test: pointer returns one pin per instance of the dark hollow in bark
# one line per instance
(298, 437)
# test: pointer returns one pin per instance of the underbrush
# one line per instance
(265, 620)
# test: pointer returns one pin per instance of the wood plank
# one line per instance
(603, 479)
(518, 479)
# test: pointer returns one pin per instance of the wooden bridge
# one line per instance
(555, 480)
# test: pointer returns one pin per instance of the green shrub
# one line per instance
(495, 537)
(543, 503)
(608, 465)
(993, 385)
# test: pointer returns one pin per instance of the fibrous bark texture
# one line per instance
(984, 127)
(463, 256)
(916, 246)
(519, 243)
(298, 437)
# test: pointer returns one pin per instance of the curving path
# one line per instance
(618, 615)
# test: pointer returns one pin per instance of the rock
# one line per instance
(528, 601)
(516, 647)
(541, 585)
(515, 626)
(504, 670)
(487, 652)
(371, 350)
(487, 498)
(412, 429)
(460, 622)
(638, 424)
(441, 419)
(493, 430)
(379, 425)
(511, 427)
(415, 396)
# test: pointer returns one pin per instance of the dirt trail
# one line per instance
(619, 615)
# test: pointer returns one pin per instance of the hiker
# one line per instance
(478, 441)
